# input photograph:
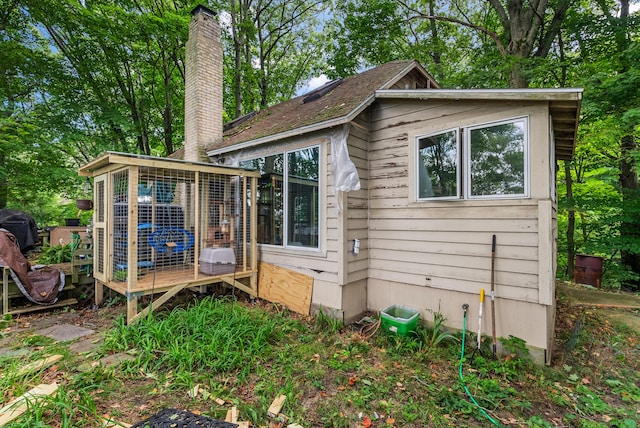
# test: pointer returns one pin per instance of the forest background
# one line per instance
(81, 77)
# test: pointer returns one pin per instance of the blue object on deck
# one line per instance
(183, 240)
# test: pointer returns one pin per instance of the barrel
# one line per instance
(588, 270)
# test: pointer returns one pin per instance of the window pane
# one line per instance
(302, 198)
(498, 159)
(438, 165)
(270, 198)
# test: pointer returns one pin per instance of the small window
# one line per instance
(438, 169)
(497, 160)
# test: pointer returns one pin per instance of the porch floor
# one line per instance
(170, 281)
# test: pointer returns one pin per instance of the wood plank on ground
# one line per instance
(290, 288)
(17, 407)
(37, 365)
(276, 406)
(232, 415)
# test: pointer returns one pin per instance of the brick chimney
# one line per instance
(203, 85)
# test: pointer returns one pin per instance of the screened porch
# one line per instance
(161, 225)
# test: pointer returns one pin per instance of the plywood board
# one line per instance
(280, 285)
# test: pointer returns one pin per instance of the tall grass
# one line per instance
(212, 335)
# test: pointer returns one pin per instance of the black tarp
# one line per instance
(22, 226)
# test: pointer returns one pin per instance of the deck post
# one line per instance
(99, 292)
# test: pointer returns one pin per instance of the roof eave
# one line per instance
(109, 159)
(561, 94)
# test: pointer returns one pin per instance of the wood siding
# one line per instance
(357, 211)
(448, 244)
(423, 249)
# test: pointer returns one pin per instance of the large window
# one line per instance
(288, 198)
(497, 160)
(491, 163)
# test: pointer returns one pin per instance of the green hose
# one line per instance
(473, 400)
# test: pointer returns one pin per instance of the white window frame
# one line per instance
(463, 173)
(467, 159)
(285, 202)
(459, 166)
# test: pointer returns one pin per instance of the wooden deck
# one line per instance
(170, 281)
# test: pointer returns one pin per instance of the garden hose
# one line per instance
(473, 400)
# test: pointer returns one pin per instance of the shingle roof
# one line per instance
(338, 99)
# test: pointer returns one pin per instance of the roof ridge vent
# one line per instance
(321, 91)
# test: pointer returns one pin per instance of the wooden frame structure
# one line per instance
(163, 216)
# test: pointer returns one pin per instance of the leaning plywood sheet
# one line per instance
(20, 405)
(280, 285)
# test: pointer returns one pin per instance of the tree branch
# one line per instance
(493, 35)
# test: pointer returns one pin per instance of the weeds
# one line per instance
(431, 337)
(247, 355)
(327, 323)
(56, 254)
(212, 336)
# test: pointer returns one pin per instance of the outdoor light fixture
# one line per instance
(356, 247)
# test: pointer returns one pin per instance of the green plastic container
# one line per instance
(399, 319)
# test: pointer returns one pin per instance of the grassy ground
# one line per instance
(247, 353)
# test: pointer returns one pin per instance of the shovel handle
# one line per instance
(493, 244)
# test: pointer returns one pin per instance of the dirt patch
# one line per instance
(617, 306)
(582, 295)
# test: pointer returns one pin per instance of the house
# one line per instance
(439, 173)
(387, 189)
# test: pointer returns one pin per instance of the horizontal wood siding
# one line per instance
(446, 245)
(357, 212)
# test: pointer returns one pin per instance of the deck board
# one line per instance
(163, 279)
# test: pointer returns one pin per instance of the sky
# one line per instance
(316, 82)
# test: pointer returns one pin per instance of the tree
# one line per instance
(129, 60)
(607, 37)
(275, 45)
(30, 168)
(526, 30)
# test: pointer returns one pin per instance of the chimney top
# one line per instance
(200, 8)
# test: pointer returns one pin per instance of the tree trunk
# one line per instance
(571, 223)
(436, 55)
(237, 52)
(630, 226)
